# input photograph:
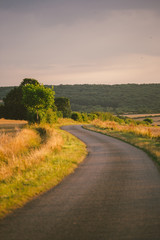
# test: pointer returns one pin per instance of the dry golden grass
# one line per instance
(144, 137)
(9, 121)
(67, 121)
(140, 130)
(11, 126)
(24, 150)
(35, 171)
(141, 117)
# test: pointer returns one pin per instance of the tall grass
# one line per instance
(139, 130)
(23, 150)
(33, 161)
(142, 136)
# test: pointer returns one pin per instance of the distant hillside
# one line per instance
(4, 91)
(125, 98)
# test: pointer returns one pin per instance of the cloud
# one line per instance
(75, 40)
(70, 11)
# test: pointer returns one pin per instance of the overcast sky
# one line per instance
(80, 41)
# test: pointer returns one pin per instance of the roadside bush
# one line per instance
(76, 116)
(84, 117)
(107, 116)
(129, 121)
(119, 120)
(92, 116)
(44, 116)
(47, 116)
(51, 117)
(148, 120)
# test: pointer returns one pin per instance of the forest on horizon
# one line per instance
(118, 99)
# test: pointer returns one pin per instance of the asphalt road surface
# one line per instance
(113, 194)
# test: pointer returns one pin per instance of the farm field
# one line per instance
(11, 126)
(141, 117)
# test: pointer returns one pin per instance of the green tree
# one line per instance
(13, 106)
(63, 105)
(2, 111)
(29, 81)
(37, 98)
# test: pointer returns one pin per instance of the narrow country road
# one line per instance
(113, 195)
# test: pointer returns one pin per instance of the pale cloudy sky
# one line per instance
(80, 41)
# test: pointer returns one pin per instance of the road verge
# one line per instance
(40, 168)
(150, 145)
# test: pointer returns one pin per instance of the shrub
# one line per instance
(148, 120)
(92, 116)
(76, 116)
(44, 116)
(51, 117)
(84, 117)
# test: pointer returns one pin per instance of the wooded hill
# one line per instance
(125, 98)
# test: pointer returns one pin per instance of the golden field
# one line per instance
(11, 126)
(141, 117)
(140, 130)
(19, 152)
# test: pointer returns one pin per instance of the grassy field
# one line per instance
(11, 123)
(35, 159)
(146, 138)
(11, 126)
(141, 117)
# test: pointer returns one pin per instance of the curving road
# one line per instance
(113, 194)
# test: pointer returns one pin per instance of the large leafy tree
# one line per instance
(13, 106)
(37, 98)
(29, 81)
(29, 98)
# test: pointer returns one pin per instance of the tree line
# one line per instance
(117, 99)
(34, 102)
